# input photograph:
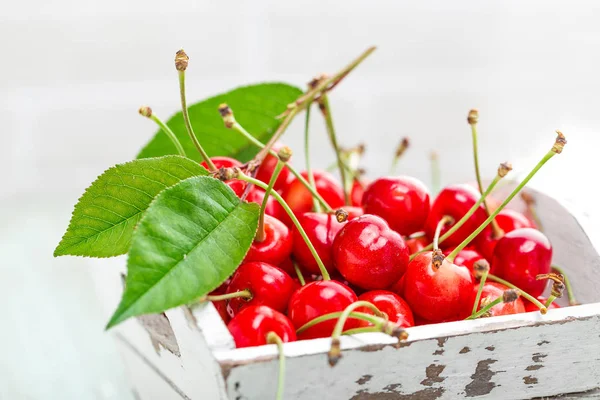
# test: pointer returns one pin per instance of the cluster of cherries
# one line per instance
(376, 249)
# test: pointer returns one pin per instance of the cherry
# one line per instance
(390, 303)
(520, 256)
(268, 166)
(493, 290)
(438, 290)
(276, 247)
(402, 201)
(416, 244)
(236, 185)
(398, 287)
(321, 229)
(251, 326)
(221, 306)
(354, 212)
(274, 209)
(288, 266)
(300, 199)
(466, 257)
(269, 286)
(369, 254)
(507, 220)
(455, 201)
(356, 192)
(319, 298)
(529, 306)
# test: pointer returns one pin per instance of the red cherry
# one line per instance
(269, 285)
(321, 230)
(529, 306)
(356, 192)
(508, 220)
(288, 266)
(455, 201)
(398, 287)
(520, 256)
(319, 298)
(493, 290)
(300, 199)
(466, 258)
(251, 326)
(274, 209)
(265, 171)
(277, 245)
(402, 201)
(390, 303)
(221, 306)
(417, 244)
(354, 212)
(236, 185)
(438, 294)
(369, 254)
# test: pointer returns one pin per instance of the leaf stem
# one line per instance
(529, 297)
(326, 111)
(188, 124)
(309, 172)
(273, 338)
(260, 232)
(290, 213)
(570, 291)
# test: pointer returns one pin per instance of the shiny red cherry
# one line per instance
(455, 201)
(369, 254)
(236, 185)
(529, 306)
(288, 266)
(398, 287)
(321, 229)
(390, 303)
(402, 201)
(251, 326)
(466, 258)
(490, 292)
(265, 171)
(356, 192)
(319, 298)
(300, 199)
(520, 256)
(354, 212)
(438, 293)
(274, 209)
(508, 221)
(269, 285)
(277, 245)
(417, 244)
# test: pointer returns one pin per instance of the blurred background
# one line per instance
(73, 74)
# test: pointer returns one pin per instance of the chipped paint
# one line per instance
(433, 372)
(534, 367)
(482, 379)
(490, 348)
(537, 357)
(464, 350)
(543, 342)
(364, 379)
(530, 380)
(425, 394)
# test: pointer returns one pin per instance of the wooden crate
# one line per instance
(510, 357)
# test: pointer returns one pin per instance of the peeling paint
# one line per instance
(364, 379)
(537, 357)
(482, 379)
(543, 342)
(530, 380)
(534, 367)
(438, 352)
(442, 341)
(433, 375)
(425, 394)
(490, 348)
(464, 350)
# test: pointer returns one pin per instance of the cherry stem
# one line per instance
(530, 203)
(260, 232)
(484, 276)
(240, 129)
(400, 150)
(290, 213)
(570, 291)
(299, 273)
(326, 111)
(489, 219)
(496, 230)
(308, 97)
(435, 172)
(273, 338)
(550, 300)
(367, 329)
(446, 219)
(464, 219)
(486, 308)
(529, 297)
(147, 112)
(335, 315)
(188, 124)
(241, 294)
(309, 172)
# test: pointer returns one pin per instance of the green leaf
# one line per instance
(191, 238)
(106, 215)
(255, 108)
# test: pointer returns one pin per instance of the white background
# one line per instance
(73, 74)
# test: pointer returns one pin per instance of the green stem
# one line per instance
(240, 129)
(489, 219)
(478, 296)
(464, 219)
(244, 294)
(290, 213)
(188, 125)
(309, 172)
(339, 326)
(570, 291)
(169, 134)
(524, 294)
(260, 232)
(273, 338)
(367, 329)
(549, 301)
(486, 308)
(299, 273)
(438, 229)
(326, 317)
(326, 111)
